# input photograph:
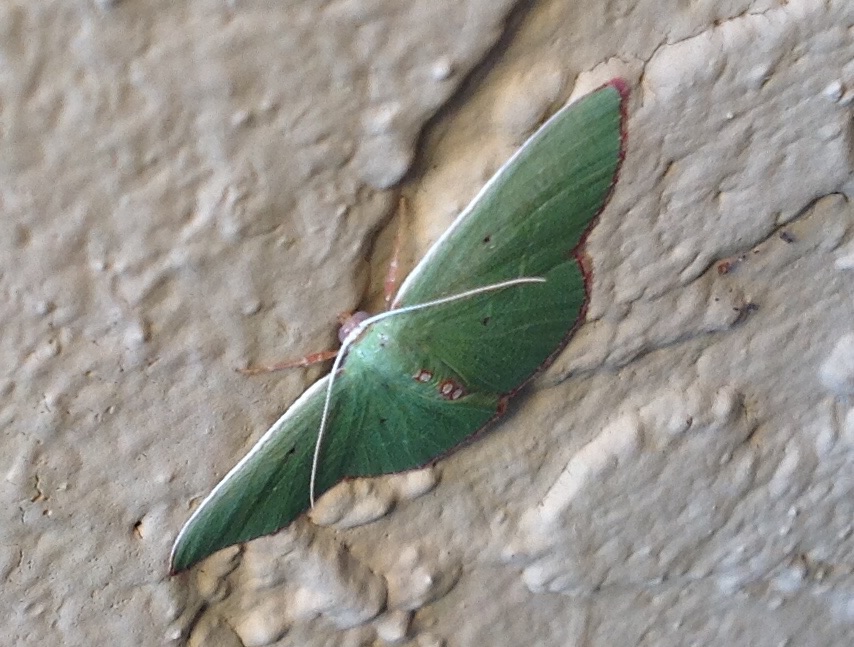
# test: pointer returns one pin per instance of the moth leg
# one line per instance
(308, 360)
(392, 277)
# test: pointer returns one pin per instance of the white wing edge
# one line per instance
(300, 401)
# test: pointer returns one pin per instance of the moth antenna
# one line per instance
(354, 334)
(457, 297)
(326, 402)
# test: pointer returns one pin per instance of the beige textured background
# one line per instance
(187, 190)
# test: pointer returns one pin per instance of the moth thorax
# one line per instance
(350, 324)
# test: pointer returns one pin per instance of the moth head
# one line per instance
(349, 323)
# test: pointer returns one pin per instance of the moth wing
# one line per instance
(380, 422)
(535, 211)
(529, 221)
(264, 492)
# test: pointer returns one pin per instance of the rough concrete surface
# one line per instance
(190, 188)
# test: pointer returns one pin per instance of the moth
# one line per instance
(490, 304)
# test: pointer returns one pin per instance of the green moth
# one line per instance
(492, 302)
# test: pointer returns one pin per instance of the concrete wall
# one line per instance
(190, 188)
